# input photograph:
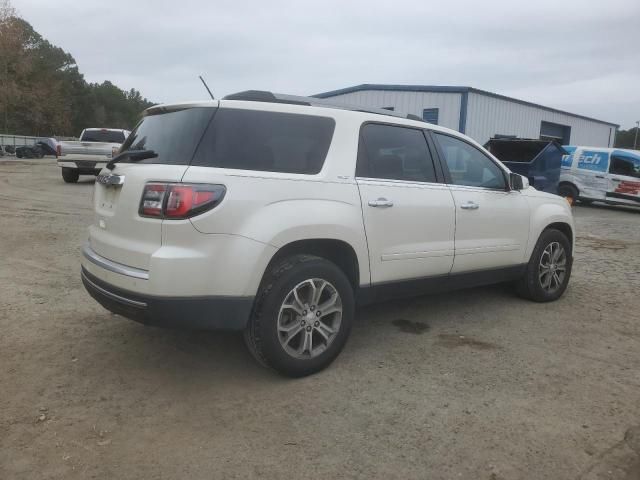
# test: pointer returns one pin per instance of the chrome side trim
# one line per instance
(112, 266)
(113, 296)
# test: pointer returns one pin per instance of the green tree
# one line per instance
(625, 138)
(43, 92)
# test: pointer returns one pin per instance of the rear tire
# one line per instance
(569, 192)
(288, 331)
(549, 268)
(70, 175)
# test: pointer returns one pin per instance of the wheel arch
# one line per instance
(563, 227)
(569, 183)
(336, 251)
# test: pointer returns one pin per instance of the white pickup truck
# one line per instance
(90, 154)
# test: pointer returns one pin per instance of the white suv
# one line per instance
(278, 215)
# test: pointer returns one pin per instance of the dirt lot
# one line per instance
(475, 384)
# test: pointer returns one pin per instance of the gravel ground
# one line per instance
(474, 384)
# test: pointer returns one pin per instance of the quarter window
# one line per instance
(266, 141)
(394, 153)
(468, 165)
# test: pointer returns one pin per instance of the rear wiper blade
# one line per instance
(132, 155)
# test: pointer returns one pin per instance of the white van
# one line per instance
(609, 175)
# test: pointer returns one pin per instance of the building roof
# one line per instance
(449, 89)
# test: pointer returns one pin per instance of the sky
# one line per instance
(580, 56)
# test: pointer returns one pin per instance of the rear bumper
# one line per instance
(200, 313)
(88, 167)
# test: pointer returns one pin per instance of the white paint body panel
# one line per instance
(412, 239)
(493, 235)
(226, 250)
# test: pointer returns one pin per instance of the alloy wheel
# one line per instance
(309, 318)
(553, 267)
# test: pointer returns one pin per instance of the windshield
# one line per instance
(173, 136)
(107, 136)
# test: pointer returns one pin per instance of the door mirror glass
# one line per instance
(518, 182)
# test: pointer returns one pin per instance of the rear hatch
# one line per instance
(119, 232)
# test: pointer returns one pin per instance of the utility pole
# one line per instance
(635, 141)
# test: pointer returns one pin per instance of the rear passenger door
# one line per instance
(408, 213)
(492, 222)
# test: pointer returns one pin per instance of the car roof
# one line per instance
(264, 100)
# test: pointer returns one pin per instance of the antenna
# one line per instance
(206, 86)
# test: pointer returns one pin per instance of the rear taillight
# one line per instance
(58, 150)
(179, 200)
(115, 151)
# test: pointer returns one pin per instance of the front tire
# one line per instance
(549, 268)
(302, 317)
(70, 175)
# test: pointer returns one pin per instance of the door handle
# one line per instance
(380, 202)
(616, 179)
(599, 176)
(470, 206)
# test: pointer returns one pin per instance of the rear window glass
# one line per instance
(173, 136)
(266, 141)
(102, 136)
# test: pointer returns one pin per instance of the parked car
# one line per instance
(278, 215)
(609, 175)
(90, 154)
(48, 146)
(40, 148)
(29, 151)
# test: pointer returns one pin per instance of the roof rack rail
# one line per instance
(264, 96)
(270, 97)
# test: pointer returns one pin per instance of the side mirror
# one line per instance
(518, 182)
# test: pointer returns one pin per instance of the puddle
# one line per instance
(407, 326)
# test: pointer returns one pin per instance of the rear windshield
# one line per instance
(107, 136)
(266, 141)
(173, 136)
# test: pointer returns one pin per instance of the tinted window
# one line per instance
(624, 166)
(107, 136)
(468, 165)
(174, 136)
(395, 153)
(266, 141)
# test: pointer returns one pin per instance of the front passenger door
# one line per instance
(492, 222)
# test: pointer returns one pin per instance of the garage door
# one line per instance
(555, 131)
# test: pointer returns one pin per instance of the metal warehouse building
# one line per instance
(480, 114)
